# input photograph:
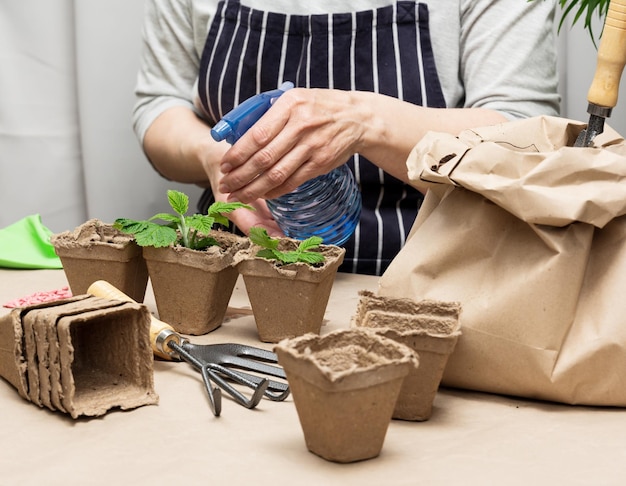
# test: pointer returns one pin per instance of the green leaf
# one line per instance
(130, 226)
(259, 236)
(170, 218)
(311, 257)
(204, 243)
(220, 207)
(203, 224)
(269, 254)
(178, 201)
(156, 235)
(146, 233)
(219, 219)
(310, 243)
(290, 257)
(584, 9)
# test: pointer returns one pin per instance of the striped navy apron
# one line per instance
(386, 50)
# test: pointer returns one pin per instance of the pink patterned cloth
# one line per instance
(39, 297)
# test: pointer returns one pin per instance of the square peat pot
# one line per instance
(192, 288)
(288, 300)
(82, 356)
(344, 386)
(430, 328)
(97, 251)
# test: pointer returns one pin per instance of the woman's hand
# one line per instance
(243, 218)
(308, 132)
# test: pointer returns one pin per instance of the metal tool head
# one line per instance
(222, 364)
(251, 363)
(597, 116)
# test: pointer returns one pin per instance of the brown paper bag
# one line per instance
(528, 233)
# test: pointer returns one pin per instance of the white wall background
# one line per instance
(67, 149)
(67, 73)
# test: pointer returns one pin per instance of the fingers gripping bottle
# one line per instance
(328, 206)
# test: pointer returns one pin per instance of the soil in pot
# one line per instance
(192, 288)
(430, 328)
(288, 300)
(344, 386)
(97, 251)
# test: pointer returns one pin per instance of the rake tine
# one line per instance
(276, 390)
(259, 390)
(215, 395)
(278, 397)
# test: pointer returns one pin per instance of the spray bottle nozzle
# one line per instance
(237, 121)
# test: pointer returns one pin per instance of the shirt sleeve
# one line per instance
(508, 58)
(168, 66)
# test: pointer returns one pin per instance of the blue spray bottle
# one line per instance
(328, 206)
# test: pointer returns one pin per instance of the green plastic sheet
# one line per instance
(26, 244)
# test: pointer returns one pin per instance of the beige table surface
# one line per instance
(472, 438)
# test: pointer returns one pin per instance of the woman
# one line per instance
(376, 75)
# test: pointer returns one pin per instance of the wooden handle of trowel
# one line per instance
(160, 332)
(611, 57)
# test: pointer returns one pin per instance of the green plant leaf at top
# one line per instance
(178, 201)
(584, 9)
(220, 207)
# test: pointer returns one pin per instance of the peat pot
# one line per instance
(97, 251)
(430, 328)
(82, 356)
(288, 300)
(192, 288)
(344, 386)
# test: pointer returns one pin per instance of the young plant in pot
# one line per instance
(190, 264)
(288, 283)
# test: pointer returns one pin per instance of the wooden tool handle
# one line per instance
(160, 332)
(611, 57)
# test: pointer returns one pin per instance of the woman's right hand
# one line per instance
(244, 219)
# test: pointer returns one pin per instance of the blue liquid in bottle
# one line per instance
(328, 206)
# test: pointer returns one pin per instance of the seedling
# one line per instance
(188, 231)
(270, 250)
